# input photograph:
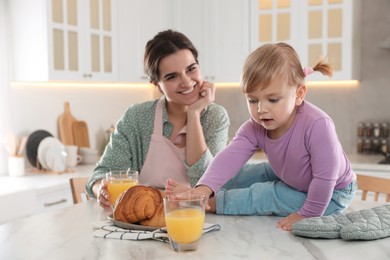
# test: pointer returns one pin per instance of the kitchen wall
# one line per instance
(34, 108)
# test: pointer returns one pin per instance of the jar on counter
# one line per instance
(376, 145)
(385, 129)
(384, 145)
(367, 146)
(360, 129)
(360, 145)
(368, 128)
(376, 130)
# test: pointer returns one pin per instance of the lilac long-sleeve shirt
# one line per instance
(308, 157)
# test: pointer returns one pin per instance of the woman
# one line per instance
(173, 137)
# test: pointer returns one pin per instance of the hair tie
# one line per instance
(307, 71)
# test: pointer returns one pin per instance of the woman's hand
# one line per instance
(206, 97)
(287, 222)
(103, 196)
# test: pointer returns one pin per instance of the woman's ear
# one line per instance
(157, 93)
(157, 86)
(301, 93)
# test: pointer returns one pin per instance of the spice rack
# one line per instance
(373, 137)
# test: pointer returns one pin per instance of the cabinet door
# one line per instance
(229, 38)
(329, 32)
(219, 30)
(192, 18)
(274, 21)
(82, 40)
(54, 198)
(100, 41)
(64, 37)
(314, 28)
(139, 21)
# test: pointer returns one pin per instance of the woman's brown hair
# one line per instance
(164, 44)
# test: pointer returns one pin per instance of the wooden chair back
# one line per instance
(373, 184)
(77, 186)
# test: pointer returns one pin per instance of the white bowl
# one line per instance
(88, 151)
(89, 159)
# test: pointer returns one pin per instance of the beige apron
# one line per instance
(164, 159)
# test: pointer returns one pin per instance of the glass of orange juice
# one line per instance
(119, 181)
(184, 217)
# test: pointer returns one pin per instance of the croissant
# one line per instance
(140, 204)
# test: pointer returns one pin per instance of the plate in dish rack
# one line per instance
(130, 226)
(44, 146)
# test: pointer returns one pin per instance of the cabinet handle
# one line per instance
(87, 75)
(49, 204)
(144, 77)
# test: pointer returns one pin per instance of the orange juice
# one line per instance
(185, 225)
(117, 187)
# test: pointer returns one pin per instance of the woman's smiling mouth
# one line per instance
(188, 91)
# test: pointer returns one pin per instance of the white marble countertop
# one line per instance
(42, 182)
(67, 234)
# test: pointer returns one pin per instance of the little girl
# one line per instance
(308, 173)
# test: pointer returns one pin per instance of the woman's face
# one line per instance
(180, 78)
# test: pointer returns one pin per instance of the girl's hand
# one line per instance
(206, 97)
(103, 196)
(287, 222)
(172, 187)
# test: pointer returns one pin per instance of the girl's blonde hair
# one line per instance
(271, 61)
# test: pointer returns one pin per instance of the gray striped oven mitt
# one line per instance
(366, 224)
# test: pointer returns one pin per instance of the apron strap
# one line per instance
(158, 124)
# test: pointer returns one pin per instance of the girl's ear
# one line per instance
(301, 93)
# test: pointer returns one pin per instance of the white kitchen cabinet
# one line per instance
(138, 22)
(314, 28)
(71, 40)
(16, 202)
(219, 30)
(53, 198)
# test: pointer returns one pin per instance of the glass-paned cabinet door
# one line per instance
(315, 28)
(64, 39)
(328, 35)
(272, 21)
(82, 38)
(100, 40)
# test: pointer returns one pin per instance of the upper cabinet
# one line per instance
(71, 40)
(104, 40)
(139, 21)
(314, 28)
(219, 29)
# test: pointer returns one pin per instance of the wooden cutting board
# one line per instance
(80, 134)
(65, 125)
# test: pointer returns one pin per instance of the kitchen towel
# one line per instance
(106, 229)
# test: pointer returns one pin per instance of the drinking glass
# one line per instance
(184, 217)
(119, 181)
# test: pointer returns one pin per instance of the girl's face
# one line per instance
(180, 78)
(274, 107)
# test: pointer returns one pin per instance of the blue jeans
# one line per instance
(256, 190)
